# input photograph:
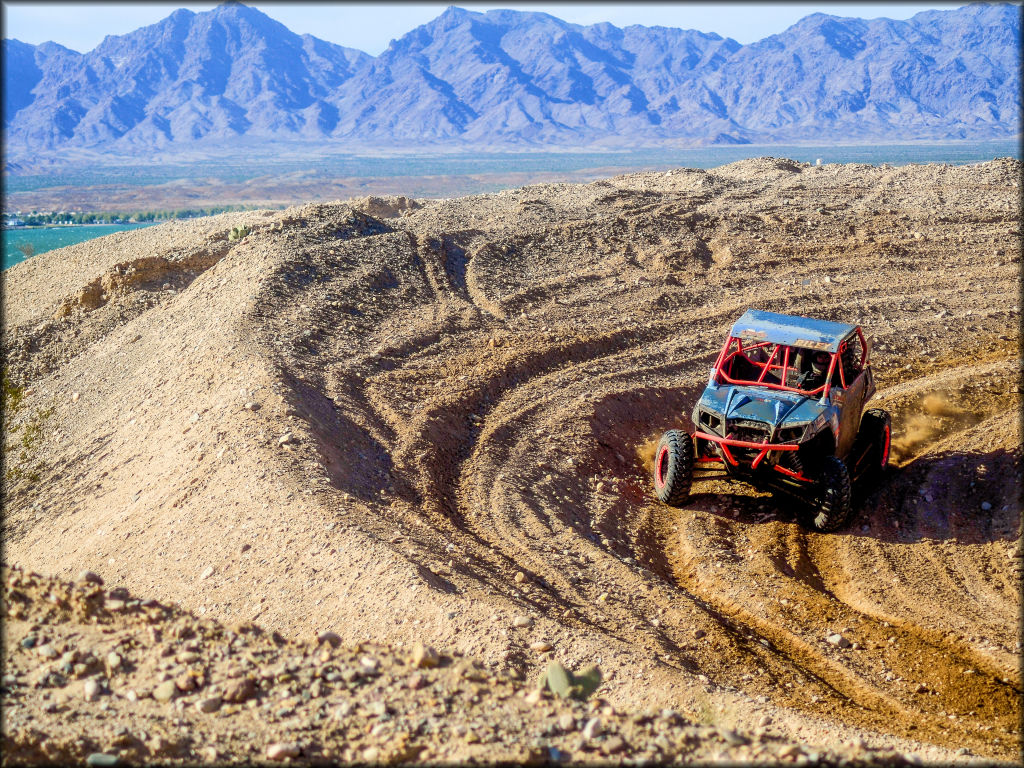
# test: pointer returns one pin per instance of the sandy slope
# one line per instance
(371, 417)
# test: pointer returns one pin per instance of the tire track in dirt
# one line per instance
(518, 535)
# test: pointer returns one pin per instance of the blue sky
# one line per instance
(371, 26)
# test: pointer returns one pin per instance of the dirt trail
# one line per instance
(419, 425)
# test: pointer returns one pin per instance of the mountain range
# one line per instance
(509, 77)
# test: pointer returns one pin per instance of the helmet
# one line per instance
(820, 362)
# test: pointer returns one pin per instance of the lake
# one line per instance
(43, 239)
(463, 172)
(335, 164)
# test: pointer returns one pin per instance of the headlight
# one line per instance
(710, 420)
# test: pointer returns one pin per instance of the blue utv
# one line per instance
(783, 410)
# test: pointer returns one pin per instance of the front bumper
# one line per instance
(763, 449)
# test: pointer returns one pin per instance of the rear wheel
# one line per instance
(876, 426)
(833, 503)
(673, 467)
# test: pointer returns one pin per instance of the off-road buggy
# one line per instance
(782, 410)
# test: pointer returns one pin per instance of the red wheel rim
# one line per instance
(885, 449)
(660, 467)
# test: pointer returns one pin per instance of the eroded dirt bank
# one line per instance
(413, 421)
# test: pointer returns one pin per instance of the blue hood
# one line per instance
(757, 404)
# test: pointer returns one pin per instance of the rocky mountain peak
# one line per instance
(521, 78)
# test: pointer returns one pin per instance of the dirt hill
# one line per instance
(430, 421)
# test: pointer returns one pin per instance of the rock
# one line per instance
(102, 760)
(614, 745)
(91, 690)
(331, 638)
(76, 396)
(185, 683)
(699, 633)
(790, 750)
(208, 704)
(733, 738)
(567, 722)
(89, 578)
(286, 439)
(520, 577)
(424, 656)
(921, 688)
(985, 506)
(282, 751)
(206, 574)
(592, 729)
(839, 640)
(252, 406)
(540, 646)
(415, 681)
(113, 660)
(522, 621)
(166, 691)
(47, 651)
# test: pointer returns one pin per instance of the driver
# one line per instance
(819, 370)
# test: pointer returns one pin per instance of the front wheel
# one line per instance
(833, 502)
(673, 468)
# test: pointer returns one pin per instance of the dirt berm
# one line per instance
(429, 421)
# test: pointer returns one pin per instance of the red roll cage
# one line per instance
(782, 369)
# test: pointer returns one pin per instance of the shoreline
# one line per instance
(72, 226)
